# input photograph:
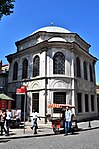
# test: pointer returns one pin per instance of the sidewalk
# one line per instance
(45, 130)
(83, 126)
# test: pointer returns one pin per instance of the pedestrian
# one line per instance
(18, 117)
(3, 118)
(68, 114)
(34, 121)
(8, 120)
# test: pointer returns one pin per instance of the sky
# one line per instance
(77, 16)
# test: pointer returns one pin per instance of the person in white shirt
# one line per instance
(8, 120)
(68, 114)
(18, 117)
(34, 121)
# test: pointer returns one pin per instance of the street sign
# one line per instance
(21, 90)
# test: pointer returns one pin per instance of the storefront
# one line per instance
(5, 101)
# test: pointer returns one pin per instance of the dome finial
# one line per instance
(52, 24)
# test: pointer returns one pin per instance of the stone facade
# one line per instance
(3, 77)
(73, 82)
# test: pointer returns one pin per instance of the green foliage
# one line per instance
(6, 7)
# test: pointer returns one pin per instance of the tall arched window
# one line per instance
(91, 74)
(36, 65)
(85, 70)
(59, 63)
(15, 71)
(25, 69)
(78, 67)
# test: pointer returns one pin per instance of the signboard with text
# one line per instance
(21, 90)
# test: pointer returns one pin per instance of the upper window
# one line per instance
(78, 67)
(85, 70)
(91, 74)
(15, 71)
(36, 64)
(25, 69)
(59, 63)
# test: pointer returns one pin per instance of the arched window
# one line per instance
(15, 71)
(85, 70)
(36, 65)
(59, 63)
(91, 74)
(25, 69)
(78, 67)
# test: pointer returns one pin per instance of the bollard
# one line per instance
(89, 124)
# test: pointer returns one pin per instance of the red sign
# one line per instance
(21, 90)
(2, 104)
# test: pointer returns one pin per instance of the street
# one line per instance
(88, 139)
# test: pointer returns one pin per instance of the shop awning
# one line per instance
(5, 97)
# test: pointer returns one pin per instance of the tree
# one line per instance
(6, 7)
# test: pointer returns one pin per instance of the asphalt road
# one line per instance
(88, 139)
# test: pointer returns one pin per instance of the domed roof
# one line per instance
(52, 29)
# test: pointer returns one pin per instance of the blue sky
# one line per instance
(78, 16)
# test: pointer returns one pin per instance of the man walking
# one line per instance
(8, 120)
(34, 121)
(68, 115)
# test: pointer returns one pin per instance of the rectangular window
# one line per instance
(79, 101)
(35, 102)
(59, 98)
(86, 103)
(92, 102)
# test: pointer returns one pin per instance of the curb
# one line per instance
(26, 136)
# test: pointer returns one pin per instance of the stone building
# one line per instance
(97, 91)
(56, 67)
(3, 77)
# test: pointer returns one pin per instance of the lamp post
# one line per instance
(21, 91)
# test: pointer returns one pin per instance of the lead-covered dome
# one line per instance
(52, 29)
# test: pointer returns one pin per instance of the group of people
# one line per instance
(67, 121)
(5, 120)
(5, 117)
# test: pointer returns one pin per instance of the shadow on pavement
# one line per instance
(4, 141)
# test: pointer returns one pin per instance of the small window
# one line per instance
(91, 73)
(78, 67)
(85, 70)
(15, 71)
(92, 102)
(35, 102)
(86, 103)
(59, 98)
(36, 65)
